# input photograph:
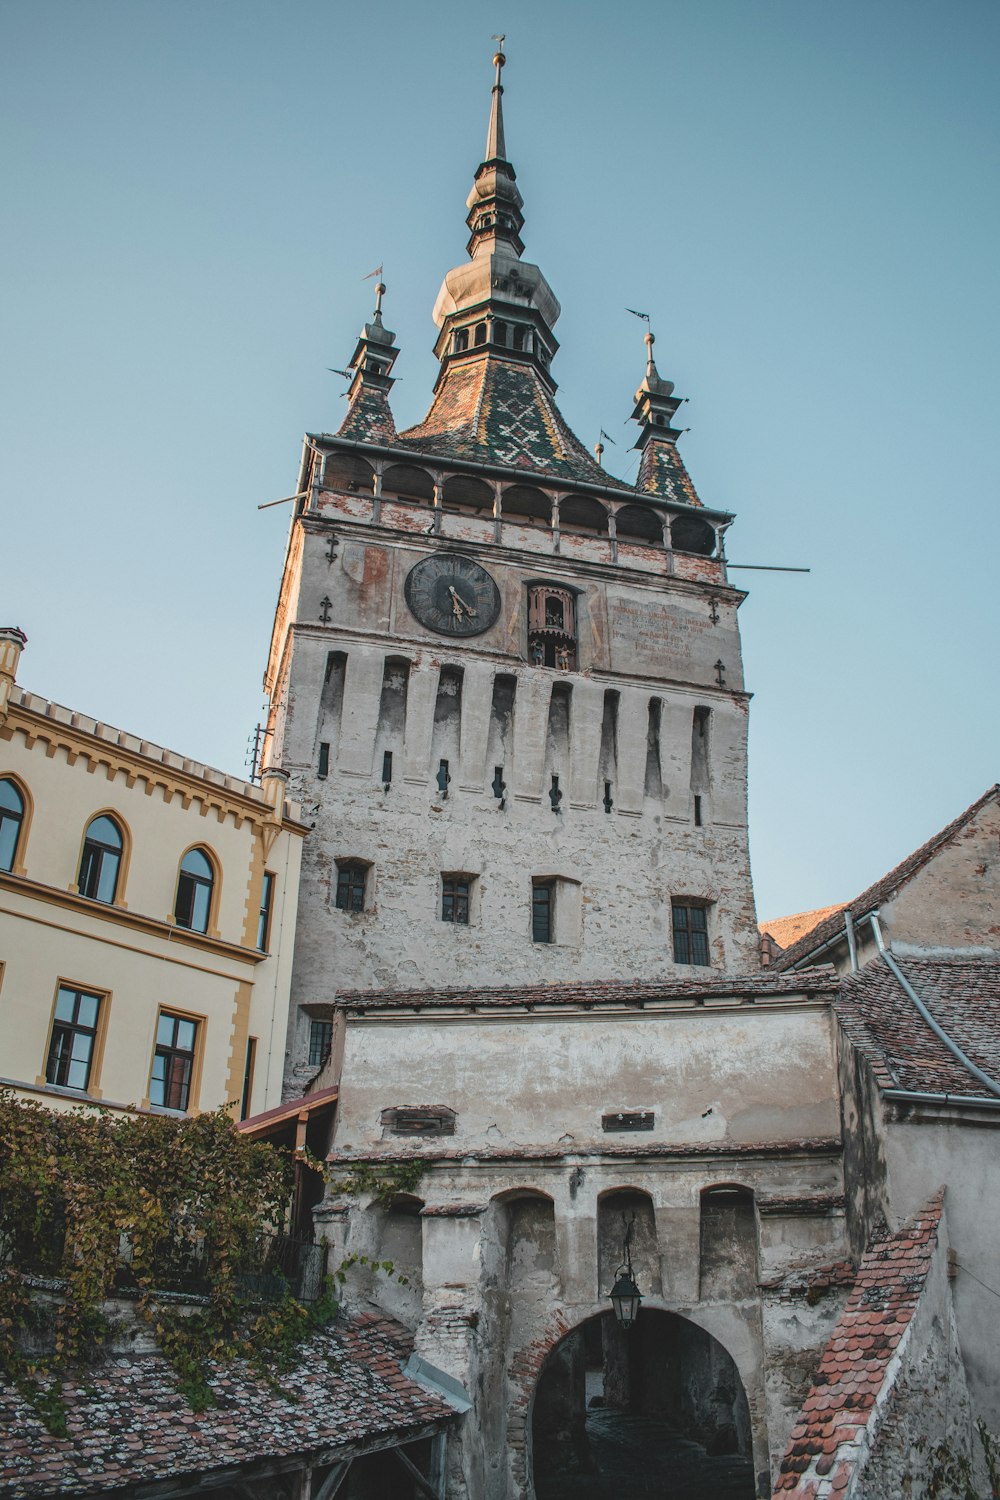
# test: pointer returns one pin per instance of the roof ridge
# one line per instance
(888, 883)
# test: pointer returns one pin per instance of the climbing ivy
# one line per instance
(94, 1203)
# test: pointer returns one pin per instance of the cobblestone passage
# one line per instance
(643, 1458)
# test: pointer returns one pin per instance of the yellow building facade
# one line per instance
(147, 917)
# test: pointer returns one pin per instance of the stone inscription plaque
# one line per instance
(654, 637)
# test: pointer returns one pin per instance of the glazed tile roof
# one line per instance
(369, 418)
(963, 996)
(497, 411)
(129, 1424)
(662, 472)
(788, 930)
(885, 888)
(838, 1424)
(820, 979)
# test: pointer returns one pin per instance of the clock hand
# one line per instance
(459, 604)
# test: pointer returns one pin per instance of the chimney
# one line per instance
(12, 643)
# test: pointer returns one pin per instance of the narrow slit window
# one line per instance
(323, 768)
(264, 915)
(542, 904)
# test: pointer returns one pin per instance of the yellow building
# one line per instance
(147, 917)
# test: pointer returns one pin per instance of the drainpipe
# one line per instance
(852, 945)
(939, 1032)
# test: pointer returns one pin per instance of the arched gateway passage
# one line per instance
(659, 1410)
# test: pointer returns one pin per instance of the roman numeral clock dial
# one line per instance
(452, 595)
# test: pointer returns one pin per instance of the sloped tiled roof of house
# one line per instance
(822, 978)
(881, 1022)
(788, 930)
(886, 887)
(838, 1424)
(129, 1425)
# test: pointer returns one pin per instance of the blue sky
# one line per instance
(803, 196)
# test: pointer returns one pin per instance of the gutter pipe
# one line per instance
(939, 1031)
(914, 1096)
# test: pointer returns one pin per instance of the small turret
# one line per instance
(369, 417)
(661, 468)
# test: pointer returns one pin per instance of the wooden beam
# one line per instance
(331, 1484)
(439, 1456)
(415, 1474)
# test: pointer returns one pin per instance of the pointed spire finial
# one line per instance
(496, 149)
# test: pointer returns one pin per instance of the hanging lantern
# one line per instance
(625, 1295)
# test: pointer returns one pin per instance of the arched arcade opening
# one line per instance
(657, 1410)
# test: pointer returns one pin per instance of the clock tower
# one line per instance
(507, 685)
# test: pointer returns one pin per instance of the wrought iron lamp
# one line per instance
(625, 1295)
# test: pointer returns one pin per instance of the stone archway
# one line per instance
(660, 1410)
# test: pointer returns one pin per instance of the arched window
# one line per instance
(500, 332)
(461, 340)
(194, 891)
(102, 858)
(520, 338)
(480, 334)
(11, 818)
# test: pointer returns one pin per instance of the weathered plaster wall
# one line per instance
(954, 901)
(921, 1154)
(735, 1074)
(647, 628)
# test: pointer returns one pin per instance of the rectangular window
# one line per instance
(455, 898)
(320, 1041)
(74, 1035)
(173, 1062)
(542, 903)
(690, 934)
(324, 759)
(351, 886)
(264, 916)
(248, 1076)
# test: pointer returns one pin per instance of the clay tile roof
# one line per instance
(499, 412)
(369, 419)
(128, 1424)
(662, 472)
(587, 994)
(858, 1368)
(885, 888)
(788, 930)
(963, 996)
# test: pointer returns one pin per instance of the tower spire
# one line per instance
(495, 147)
(494, 205)
(368, 414)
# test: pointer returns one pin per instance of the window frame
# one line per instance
(74, 1027)
(191, 1083)
(690, 937)
(318, 1056)
(350, 874)
(265, 911)
(549, 888)
(198, 881)
(122, 855)
(456, 898)
(21, 821)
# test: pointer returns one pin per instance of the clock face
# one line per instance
(452, 595)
